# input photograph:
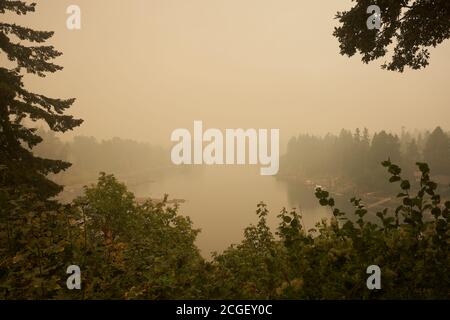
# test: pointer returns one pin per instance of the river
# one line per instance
(221, 201)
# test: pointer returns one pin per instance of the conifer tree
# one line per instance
(26, 49)
(437, 151)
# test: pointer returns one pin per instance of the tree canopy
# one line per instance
(409, 28)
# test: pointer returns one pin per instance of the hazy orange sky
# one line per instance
(142, 68)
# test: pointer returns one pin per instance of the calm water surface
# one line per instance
(222, 201)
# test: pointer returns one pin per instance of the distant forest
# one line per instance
(353, 159)
(125, 158)
(346, 161)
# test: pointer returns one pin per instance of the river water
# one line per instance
(222, 201)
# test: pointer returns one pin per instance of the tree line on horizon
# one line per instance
(90, 156)
(356, 156)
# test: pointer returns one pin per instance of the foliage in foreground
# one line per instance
(411, 246)
(146, 251)
(124, 250)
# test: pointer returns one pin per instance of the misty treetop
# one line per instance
(355, 156)
(89, 156)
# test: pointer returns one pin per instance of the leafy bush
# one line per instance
(124, 250)
(411, 246)
(128, 250)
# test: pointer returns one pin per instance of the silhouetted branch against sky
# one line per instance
(409, 28)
